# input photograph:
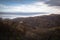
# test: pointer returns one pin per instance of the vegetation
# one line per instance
(33, 28)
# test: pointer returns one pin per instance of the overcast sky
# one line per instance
(29, 5)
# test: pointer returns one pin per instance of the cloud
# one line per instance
(53, 2)
(49, 6)
(34, 7)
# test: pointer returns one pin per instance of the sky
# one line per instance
(30, 6)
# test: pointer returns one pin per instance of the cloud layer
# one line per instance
(30, 6)
(53, 2)
(49, 6)
(33, 7)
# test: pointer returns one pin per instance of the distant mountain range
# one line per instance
(21, 13)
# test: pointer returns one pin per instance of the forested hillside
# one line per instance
(45, 27)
